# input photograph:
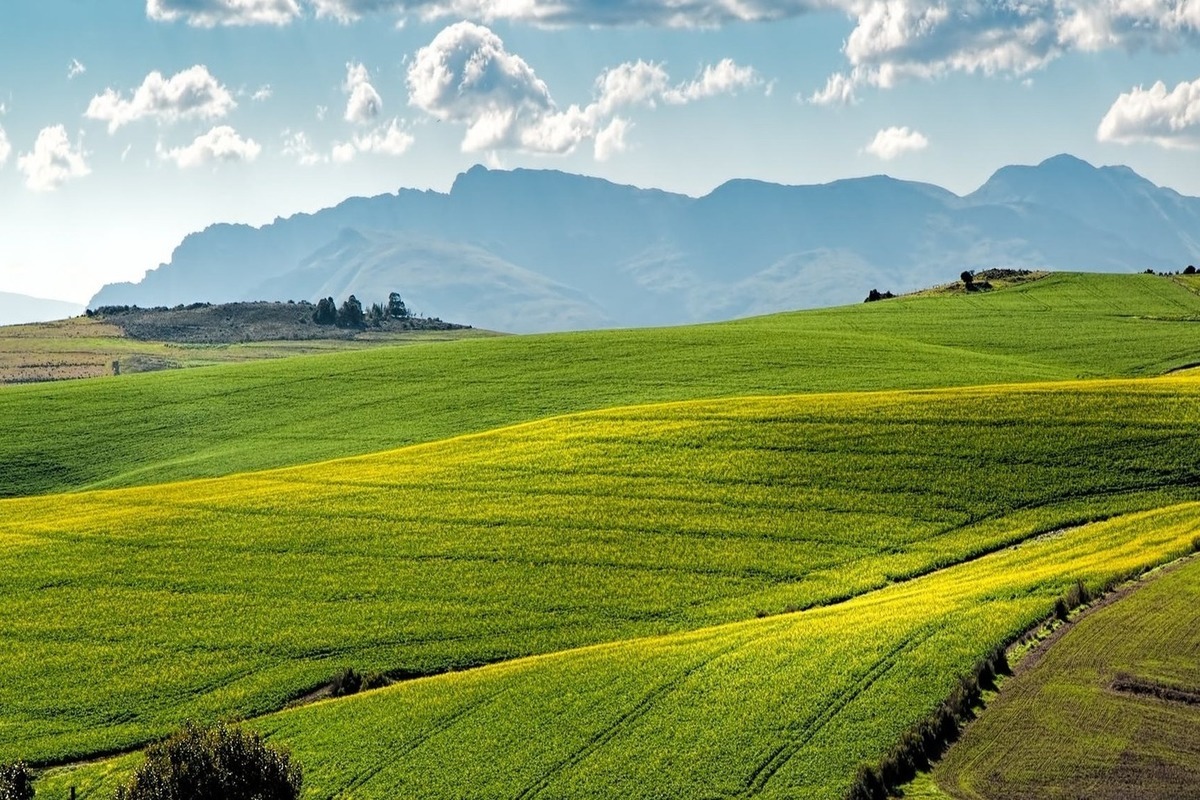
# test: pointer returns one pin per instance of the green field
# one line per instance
(231, 595)
(147, 429)
(782, 707)
(1087, 714)
(786, 553)
(83, 347)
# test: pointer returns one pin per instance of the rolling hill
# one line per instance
(727, 560)
(541, 250)
(1115, 706)
(217, 421)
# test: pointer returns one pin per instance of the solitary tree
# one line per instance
(326, 313)
(350, 315)
(1191, 270)
(218, 763)
(396, 307)
(968, 279)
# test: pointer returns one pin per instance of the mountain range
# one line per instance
(17, 309)
(539, 250)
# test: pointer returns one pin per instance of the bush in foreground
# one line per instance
(217, 763)
(16, 782)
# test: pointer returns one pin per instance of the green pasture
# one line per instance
(129, 611)
(151, 428)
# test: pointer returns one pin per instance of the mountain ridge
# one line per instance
(535, 250)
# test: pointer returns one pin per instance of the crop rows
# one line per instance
(779, 707)
(128, 611)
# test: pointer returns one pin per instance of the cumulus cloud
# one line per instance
(297, 145)
(466, 76)
(210, 13)
(895, 40)
(364, 105)
(391, 140)
(894, 142)
(1168, 119)
(191, 94)
(670, 13)
(222, 144)
(611, 140)
(53, 160)
(75, 69)
(386, 140)
(5, 147)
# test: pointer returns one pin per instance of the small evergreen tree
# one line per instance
(326, 313)
(396, 307)
(350, 315)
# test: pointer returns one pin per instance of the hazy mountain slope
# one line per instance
(454, 281)
(531, 250)
(17, 309)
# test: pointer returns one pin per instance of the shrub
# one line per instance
(346, 682)
(16, 782)
(217, 763)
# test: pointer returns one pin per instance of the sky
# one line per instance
(127, 124)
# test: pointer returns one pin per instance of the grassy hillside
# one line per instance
(144, 429)
(86, 348)
(784, 707)
(128, 611)
(1113, 706)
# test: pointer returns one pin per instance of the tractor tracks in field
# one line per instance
(801, 734)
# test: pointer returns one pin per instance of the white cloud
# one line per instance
(364, 104)
(1167, 119)
(895, 40)
(344, 152)
(75, 69)
(263, 93)
(838, 91)
(53, 160)
(209, 13)
(5, 147)
(466, 76)
(221, 144)
(391, 140)
(191, 94)
(725, 77)
(670, 13)
(611, 140)
(297, 145)
(894, 142)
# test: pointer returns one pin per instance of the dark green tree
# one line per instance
(217, 763)
(350, 315)
(396, 307)
(326, 313)
(16, 782)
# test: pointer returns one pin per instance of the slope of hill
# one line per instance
(1114, 706)
(230, 596)
(541, 250)
(18, 309)
(128, 431)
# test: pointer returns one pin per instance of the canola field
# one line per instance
(782, 707)
(129, 611)
(717, 561)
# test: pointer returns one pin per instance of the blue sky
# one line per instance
(127, 124)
